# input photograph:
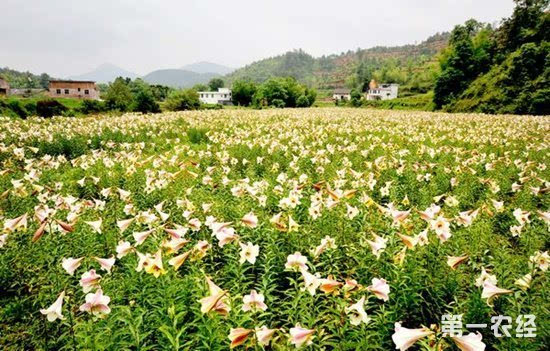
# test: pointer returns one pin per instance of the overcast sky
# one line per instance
(63, 37)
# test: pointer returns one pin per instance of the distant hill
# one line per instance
(336, 70)
(105, 73)
(207, 67)
(178, 78)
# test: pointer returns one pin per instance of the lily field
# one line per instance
(319, 229)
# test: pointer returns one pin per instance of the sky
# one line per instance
(64, 38)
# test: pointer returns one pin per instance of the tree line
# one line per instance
(498, 70)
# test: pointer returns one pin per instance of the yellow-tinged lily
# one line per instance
(454, 261)
(177, 261)
(238, 336)
(155, 265)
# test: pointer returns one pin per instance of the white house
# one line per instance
(382, 91)
(222, 96)
(341, 94)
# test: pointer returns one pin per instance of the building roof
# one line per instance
(220, 91)
(72, 81)
(342, 91)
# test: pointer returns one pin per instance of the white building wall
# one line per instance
(223, 95)
(341, 97)
(383, 92)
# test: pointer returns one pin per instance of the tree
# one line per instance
(302, 101)
(242, 92)
(200, 87)
(529, 22)
(91, 106)
(215, 83)
(44, 81)
(446, 88)
(271, 90)
(118, 95)
(311, 95)
(145, 102)
(181, 100)
(49, 108)
(283, 91)
(355, 98)
(467, 57)
(160, 92)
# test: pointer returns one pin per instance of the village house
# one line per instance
(341, 94)
(221, 97)
(382, 91)
(73, 89)
(4, 88)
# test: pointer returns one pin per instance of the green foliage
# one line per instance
(160, 92)
(13, 108)
(197, 135)
(528, 23)
(50, 107)
(92, 106)
(118, 96)
(163, 313)
(181, 100)
(145, 101)
(356, 96)
(517, 85)
(200, 87)
(421, 102)
(215, 83)
(506, 70)
(24, 80)
(283, 92)
(466, 59)
(302, 101)
(407, 65)
(242, 92)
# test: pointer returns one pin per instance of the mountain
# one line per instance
(339, 70)
(208, 67)
(105, 73)
(178, 78)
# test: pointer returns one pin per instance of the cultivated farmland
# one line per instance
(326, 229)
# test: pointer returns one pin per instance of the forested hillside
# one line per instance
(499, 70)
(414, 66)
(22, 80)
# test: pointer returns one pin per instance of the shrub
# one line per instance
(30, 106)
(49, 107)
(182, 100)
(17, 107)
(355, 98)
(243, 92)
(302, 101)
(278, 103)
(145, 102)
(118, 96)
(92, 106)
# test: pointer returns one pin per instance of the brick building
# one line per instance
(73, 89)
